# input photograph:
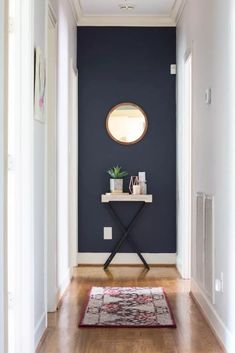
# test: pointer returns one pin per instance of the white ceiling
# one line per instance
(111, 7)
(145, 12)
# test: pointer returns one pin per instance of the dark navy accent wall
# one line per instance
(127, 65)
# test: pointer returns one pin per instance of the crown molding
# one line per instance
(52, 15)
(74, 5)
(177, 10)
(129, 21)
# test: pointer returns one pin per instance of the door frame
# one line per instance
(187, 156)
(3, 175)
(73, 166)
(51, 285)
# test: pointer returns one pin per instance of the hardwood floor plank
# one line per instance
(192, 335)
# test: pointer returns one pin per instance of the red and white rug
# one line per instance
(127, 307)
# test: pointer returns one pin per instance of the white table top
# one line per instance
(126, 198)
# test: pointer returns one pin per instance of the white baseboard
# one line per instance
(179, 264)
(126, 259)
(64, 285)
(40, 329)
(217, 324)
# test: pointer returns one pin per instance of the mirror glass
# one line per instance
(126, 123)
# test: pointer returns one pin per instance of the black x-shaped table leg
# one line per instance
(126, 235)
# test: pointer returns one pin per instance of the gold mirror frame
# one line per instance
(139, 138)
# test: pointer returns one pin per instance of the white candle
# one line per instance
(136, 189)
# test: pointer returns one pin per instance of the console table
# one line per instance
(108, 199)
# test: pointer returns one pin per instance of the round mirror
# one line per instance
(126, 123)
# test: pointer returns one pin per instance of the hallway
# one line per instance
(192, 335)
(114, 103)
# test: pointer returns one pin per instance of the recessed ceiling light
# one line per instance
(126, 7)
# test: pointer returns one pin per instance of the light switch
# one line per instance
(208, 96)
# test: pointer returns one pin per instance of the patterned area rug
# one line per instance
(127, 307)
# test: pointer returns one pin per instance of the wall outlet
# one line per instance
(173, 69)
(108, 233)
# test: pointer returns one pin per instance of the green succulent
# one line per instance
(117, 173)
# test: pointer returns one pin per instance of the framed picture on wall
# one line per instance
(39, 86)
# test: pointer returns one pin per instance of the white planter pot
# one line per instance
(116, 186)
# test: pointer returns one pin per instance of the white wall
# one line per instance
(208, 28)
(67, 48)
(67, 44)
(2, 306)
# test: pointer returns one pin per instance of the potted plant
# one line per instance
(116, 181)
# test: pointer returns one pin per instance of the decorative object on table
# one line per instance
(142, 183)
(116, 181)
(39, 86)
(127, 307)
(134, 180)
(136, 189)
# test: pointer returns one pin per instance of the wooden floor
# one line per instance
(192, 334)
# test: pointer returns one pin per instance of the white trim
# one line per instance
(178, 10)
(51, 15)
(217, 324)
(51, 169)
(139, 21)
(126, 259)
(179, 264)
(79, 7)
(185, 216)
(73, 164)
(130, 21)
(187, 195)
(3, 176)
(75, 9)
(64, 285)
(40, 329)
